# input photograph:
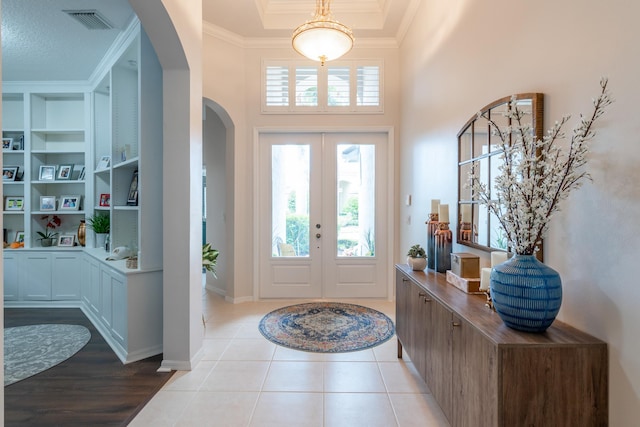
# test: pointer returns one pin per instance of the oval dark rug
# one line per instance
(327, 327)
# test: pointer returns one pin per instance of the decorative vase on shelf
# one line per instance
(417, 264)
(526, 293)
(82, 232)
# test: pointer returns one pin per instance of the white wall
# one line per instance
(175, 30)
(458, 57)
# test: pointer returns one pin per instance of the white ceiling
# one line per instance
(42, 43)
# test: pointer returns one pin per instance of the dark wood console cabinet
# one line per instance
(483, 373)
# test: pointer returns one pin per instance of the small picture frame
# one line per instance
(104, 162)
(47, 173)
(19, 237)
(7, 144)
(14, 203)
(47, 203)
(64, 172)
(105, 199)
(66, 240)
(9, 173)
(81, 174)
(132, 198)
(69, 203)
(17, 145)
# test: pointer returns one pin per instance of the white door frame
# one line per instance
(389, 130)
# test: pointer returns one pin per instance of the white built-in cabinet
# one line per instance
(119, 116)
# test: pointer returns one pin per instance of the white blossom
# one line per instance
(536, 174)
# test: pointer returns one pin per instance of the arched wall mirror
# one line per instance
(479, 149)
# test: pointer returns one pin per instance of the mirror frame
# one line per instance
(467, 232)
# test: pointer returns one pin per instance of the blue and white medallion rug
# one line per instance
(29, 350)
(327, 327)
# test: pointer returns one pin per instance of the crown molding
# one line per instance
(285, 42)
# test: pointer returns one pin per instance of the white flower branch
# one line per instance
(536, 175)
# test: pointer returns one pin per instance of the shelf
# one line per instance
(60, 181)
(69, 212)
(126, 208)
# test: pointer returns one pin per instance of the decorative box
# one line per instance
(468, 285)
(465, 265)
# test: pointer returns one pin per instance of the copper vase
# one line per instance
(82, 232)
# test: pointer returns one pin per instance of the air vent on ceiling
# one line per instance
(92, 19)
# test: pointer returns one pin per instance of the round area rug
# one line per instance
(29, 350)
(327, 327)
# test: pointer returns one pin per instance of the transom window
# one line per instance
(342, 86)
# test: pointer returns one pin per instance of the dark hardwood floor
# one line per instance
(91, 388)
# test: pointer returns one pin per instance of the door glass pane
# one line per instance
(356, 200)
(290, 200)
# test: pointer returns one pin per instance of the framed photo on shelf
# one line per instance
(70, 203)
(66, 240)
(47, 203)
(9, 173)
(19, 237)
(105, 199)
(132, 199)
(18, 144)
(47, 173)
(14, 203)
(104, 162)
(81, 174)
(64, 172)
(7, 144)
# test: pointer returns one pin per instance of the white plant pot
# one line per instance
(101, 240)
(417, 264)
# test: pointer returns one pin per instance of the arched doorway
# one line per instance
(218, 134)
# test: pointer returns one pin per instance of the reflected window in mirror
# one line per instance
(479, 150)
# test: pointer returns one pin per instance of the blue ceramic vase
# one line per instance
(526, 293)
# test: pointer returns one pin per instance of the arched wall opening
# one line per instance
(218, 135)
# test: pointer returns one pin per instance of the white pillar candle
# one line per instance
(498, 257)
(485, 278)
(443, 213)
(434, 205)
(466, 213)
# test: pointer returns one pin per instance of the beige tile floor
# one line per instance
(245, 380)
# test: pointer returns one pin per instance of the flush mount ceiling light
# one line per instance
(322, 38)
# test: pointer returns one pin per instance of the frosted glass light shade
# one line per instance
(322, 40)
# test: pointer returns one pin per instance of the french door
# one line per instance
(323, 215)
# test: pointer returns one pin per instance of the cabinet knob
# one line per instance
(422, 294)
(404, 279)
(455, 323)
(427, 299)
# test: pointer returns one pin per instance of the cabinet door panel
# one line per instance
(403, 287)
(36, 279)
(65, 285)
(10, 277)
(119, 323)
(439, 363)
(105, 298)
(475, 377)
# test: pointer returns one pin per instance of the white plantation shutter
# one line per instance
(277, 86)
(368, 86)
(307, 86)
(338, 85)
(342, 87)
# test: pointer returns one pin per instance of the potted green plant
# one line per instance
(46, 237)
(101, 225)
(417, 258)
(209, 259)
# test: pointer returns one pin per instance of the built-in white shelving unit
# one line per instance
(118, 116)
